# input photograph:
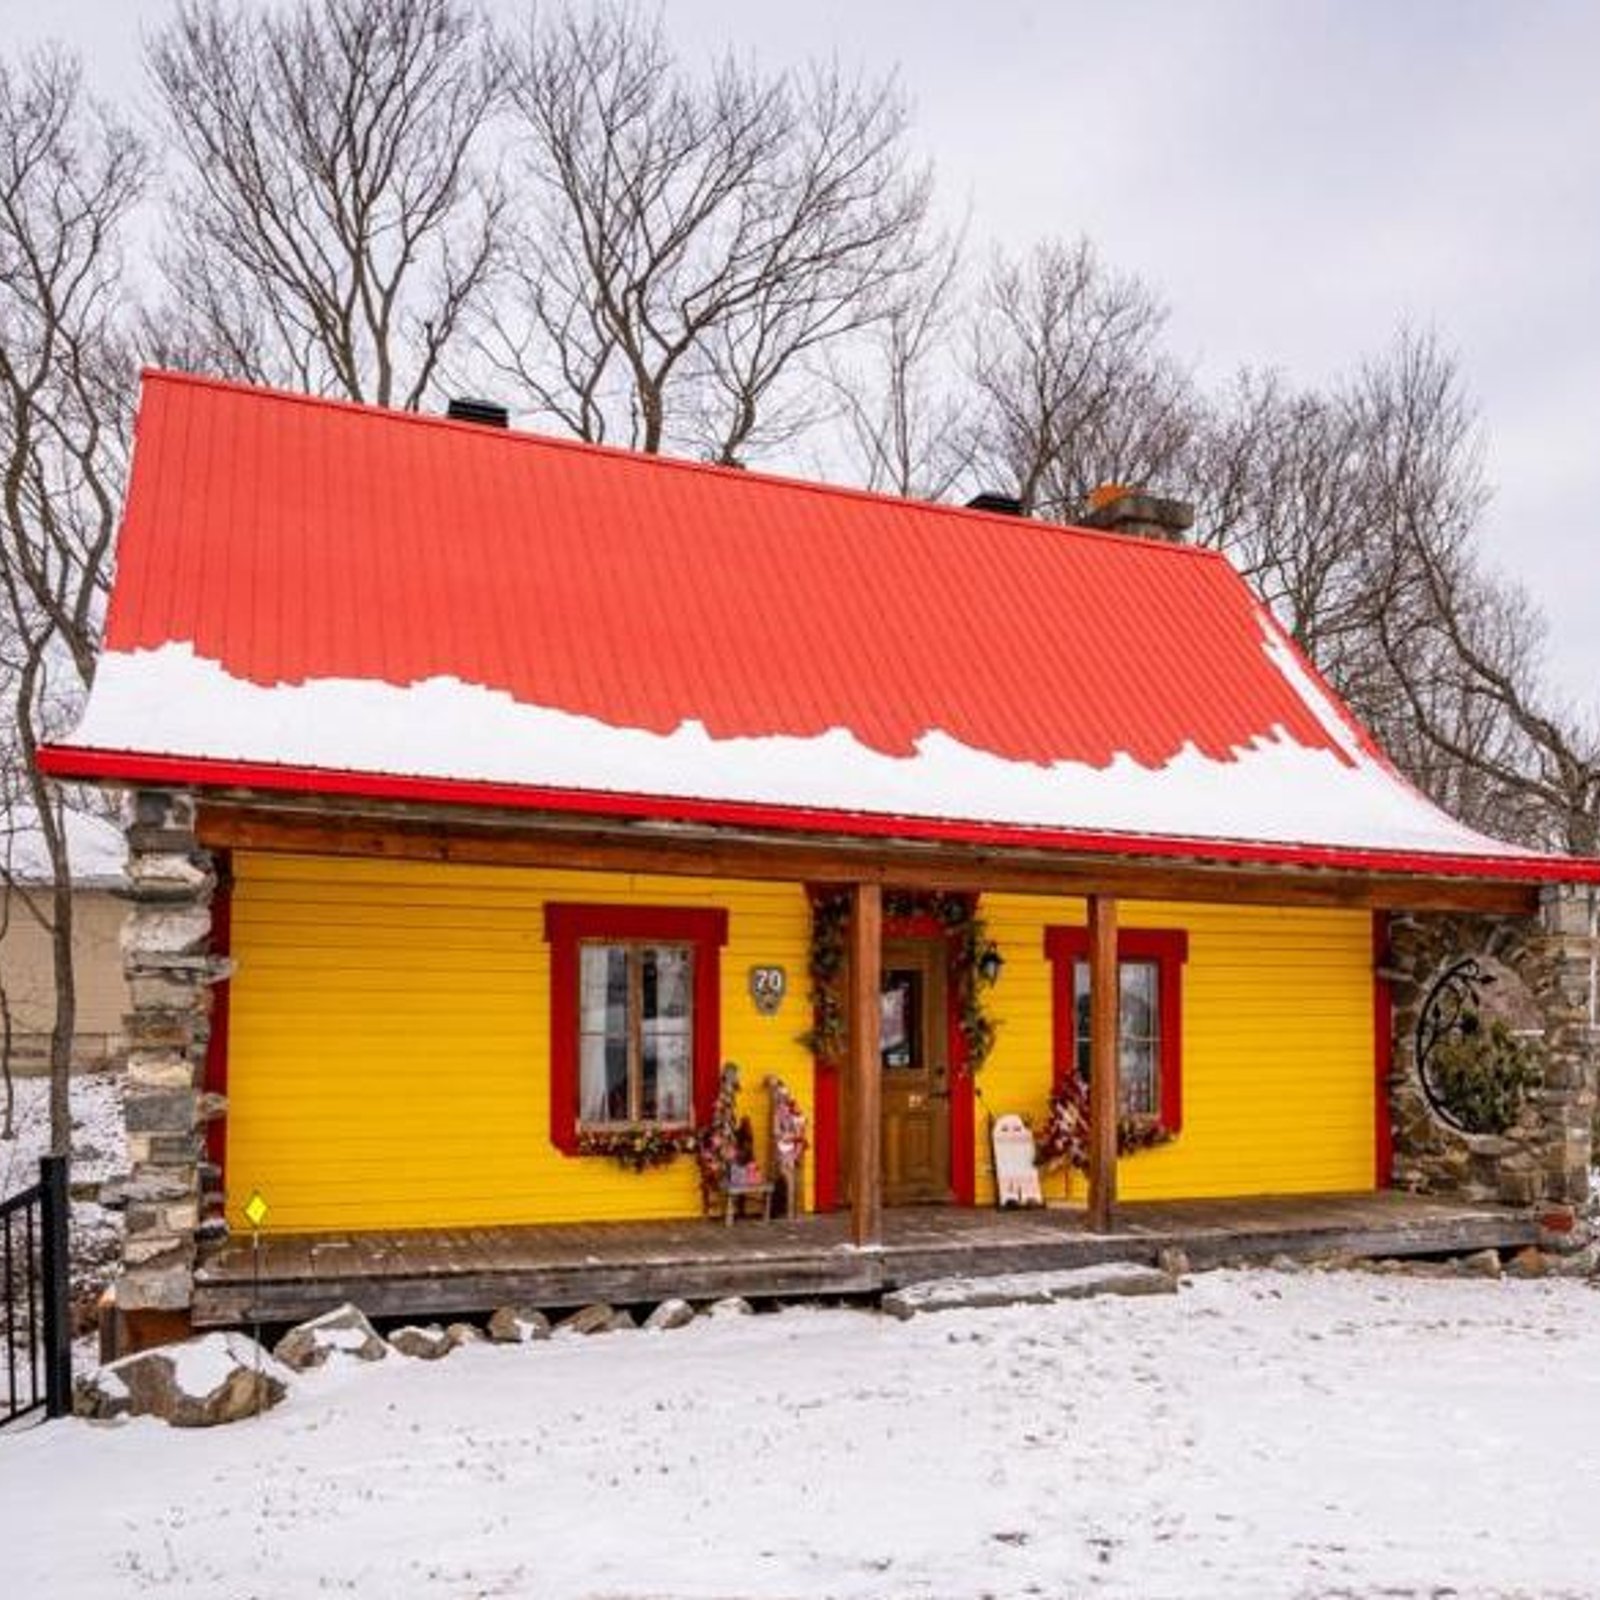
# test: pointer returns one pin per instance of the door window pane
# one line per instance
(900, 1018)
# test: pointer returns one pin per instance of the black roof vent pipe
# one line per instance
(1003, 505)
(484, 412)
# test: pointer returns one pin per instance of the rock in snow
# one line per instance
(425, 1344)
(670, 1314)
(342, 1331)
(1526, 1263)
(591, 1319)
(219, 1377)
(518, 1325)
(1028, 1288)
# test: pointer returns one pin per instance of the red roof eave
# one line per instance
(77, 763)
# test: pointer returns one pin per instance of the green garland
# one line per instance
(966, 934)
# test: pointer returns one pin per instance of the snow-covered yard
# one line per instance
(1258, 1434)
(99, 1151)
(99, 1141)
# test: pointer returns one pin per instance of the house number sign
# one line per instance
(768, 986)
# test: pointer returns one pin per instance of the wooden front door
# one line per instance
(915, 1093)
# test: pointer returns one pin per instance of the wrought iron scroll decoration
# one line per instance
(1450, 1011)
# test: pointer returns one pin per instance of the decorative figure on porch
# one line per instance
(789, 1143)
(718, 1146)
(1016, 1176)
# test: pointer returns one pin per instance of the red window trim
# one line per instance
(565, 927)
(1169, 949)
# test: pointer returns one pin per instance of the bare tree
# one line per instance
(1464, 644)
(902, 399)
(23, 900)
(1278, 475)
(1355, 513)
(688, 243)
(332, 227)
(8, 1087)
(1074, 389)
(70, 175)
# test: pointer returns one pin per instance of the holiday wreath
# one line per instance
(966, 935)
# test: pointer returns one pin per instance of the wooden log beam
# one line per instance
(634, 848)
(866, 1064)
(1104, 996)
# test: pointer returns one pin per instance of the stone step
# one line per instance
(1028, 1288)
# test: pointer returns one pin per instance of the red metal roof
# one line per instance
(292, 540)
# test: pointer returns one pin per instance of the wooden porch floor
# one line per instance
(463, 1272)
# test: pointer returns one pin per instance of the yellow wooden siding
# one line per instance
(389, 1041)
(1278, 1069)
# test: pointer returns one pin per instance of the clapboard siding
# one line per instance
(1278, 1069)
(389, 1041)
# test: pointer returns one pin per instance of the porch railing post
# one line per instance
(1104, 1051)
(55, 1264)
(866, 1159)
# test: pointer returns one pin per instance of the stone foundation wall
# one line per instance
(172, 1196)
(1545, 1154)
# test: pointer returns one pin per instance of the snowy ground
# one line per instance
(1257, 1435)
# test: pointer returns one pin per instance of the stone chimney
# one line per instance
(1120, 509)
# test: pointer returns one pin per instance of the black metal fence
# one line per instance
(36, 1332)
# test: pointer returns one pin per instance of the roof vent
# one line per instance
(1003, 505)
(1119, 509)
(484, 412)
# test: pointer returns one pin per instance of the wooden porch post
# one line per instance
(866, 961)
(1104, 1050)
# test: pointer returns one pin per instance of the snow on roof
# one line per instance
(307, 588)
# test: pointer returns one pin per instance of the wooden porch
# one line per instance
(468, 1272)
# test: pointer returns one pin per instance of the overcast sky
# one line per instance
(1296, 178)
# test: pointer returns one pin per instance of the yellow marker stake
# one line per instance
(255, 1213)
